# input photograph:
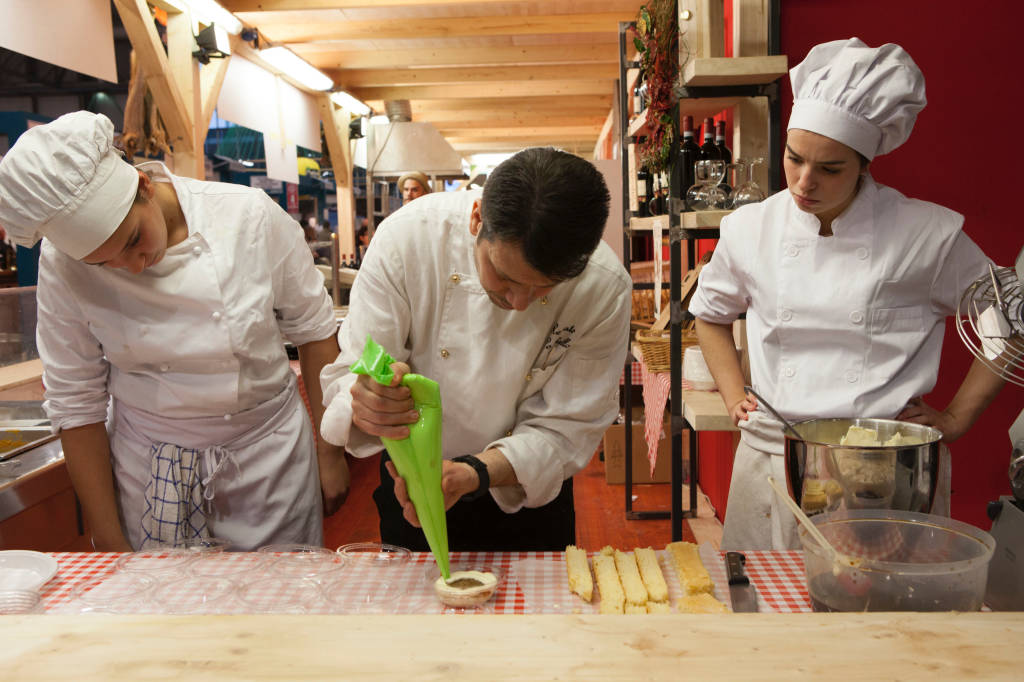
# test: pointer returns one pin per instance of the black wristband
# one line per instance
(481, 472)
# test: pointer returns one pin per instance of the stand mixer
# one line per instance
(991, 324)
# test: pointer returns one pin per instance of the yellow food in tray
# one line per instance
(650, 572)
(612, 596)
(658, 607)
(580, 581)
(702, 602)
(629, 576)
(693, 577)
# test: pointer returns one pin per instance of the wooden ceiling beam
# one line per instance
(581, 147)
(291, 5)
(453, 56)
(537, 104)
(461, 91)
(285, 31)
(362, 78)
(451, 119)
(531, 132)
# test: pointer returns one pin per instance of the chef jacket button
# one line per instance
(792, 251)
(529, 377)
(164, 367)
(445, 353)
(227, 417)
(216, 316)
(197, 250)
(789, 372)
(857, 317)
(544, 301)
(456, 278)
(508, 434)
(852, 376)
(786, 315)
(862, 253)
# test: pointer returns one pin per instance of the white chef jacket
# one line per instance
(541, 384)
(198, 335)
(844, 326)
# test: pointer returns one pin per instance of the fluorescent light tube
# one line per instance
(294, 66)
(350, 103)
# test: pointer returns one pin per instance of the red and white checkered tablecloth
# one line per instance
(529, 582)
(636, 376)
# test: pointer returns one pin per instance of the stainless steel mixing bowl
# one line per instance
(824, 476)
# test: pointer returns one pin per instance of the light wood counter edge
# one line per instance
(911, 646)
(21, 374)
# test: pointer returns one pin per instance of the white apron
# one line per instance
(266, 489)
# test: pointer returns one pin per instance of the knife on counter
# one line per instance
(742, 593)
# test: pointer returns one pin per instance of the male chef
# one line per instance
(508, 298)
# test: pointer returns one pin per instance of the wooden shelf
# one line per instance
(638, 126)
(648, 223)
(711, 71)
(693, 220)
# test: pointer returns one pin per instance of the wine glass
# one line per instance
(706, 194)
(749, 192)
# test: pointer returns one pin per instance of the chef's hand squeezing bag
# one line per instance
(418, 457)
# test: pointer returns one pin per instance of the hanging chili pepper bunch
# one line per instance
(657, 41)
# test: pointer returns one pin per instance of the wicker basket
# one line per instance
(654, 346)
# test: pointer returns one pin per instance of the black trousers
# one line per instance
(480, 525)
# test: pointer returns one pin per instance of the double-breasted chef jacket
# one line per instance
(196, 343)
(540, 384)
(849, 325)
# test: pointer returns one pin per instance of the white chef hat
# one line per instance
(865, 97)
(67, 182)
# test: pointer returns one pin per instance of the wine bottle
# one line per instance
(726, 155)
(708, 150)
(687, 156)
(643, 191)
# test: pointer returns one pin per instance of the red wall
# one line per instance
(970, 57)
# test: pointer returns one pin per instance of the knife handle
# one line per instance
(734, 568)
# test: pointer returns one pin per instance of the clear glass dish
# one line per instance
(239, 566)
(156, 561)
(13, 602)
(113, 592)
(277, 595)
(375, 554)
(303, 561)
(193, 595)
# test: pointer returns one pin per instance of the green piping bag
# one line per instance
(418, 457)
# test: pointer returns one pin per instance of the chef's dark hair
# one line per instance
(552, 204)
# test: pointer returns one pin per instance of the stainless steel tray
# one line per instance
(23, 426)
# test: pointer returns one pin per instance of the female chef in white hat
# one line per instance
(170, 297)
(846, 283)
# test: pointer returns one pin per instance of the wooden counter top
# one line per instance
(22, 373)
(911, 646)
(706, 412)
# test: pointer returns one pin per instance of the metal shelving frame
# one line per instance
(678, 234)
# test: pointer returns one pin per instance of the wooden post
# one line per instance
(149, 50)
(184, 71)
(749, 28)
(701, 29)
(335, 122)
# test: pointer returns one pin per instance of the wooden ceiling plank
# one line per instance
(525, 131)
(451, 56)
(276, 5)
(349, 78)
(537, 104)
(475, 90)
(512, 118)
(602, 22)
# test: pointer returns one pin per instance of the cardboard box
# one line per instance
(615, 453)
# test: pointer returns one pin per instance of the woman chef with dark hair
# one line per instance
(846, 283)
(168, 298)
